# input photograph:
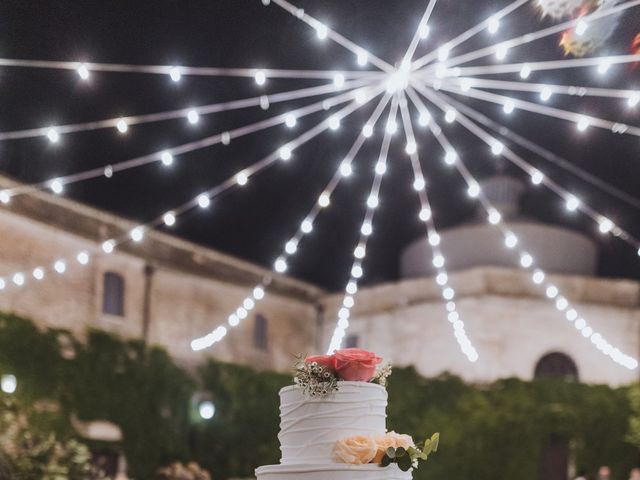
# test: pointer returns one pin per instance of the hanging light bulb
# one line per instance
(290, 120)
(193, 117)
(572, 203)
(203, 200)
(175, 74)
(493, 25)
(53, 135)
(83, 71)
(169, 219)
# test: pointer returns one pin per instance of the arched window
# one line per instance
(260, 332)
(557, 365)
(113, 294)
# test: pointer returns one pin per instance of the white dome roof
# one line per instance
(554, 249)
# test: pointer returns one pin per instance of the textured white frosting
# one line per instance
(309, 427)
(331, 472)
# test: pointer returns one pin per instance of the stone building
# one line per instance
(164, 290)
(169, 291)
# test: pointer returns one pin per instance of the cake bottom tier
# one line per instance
(331, 472)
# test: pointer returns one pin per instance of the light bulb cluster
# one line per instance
(434, 239)
(366, 230)
(168, 219)
(166, 157)
(291, 246)
(58, 267)
(216, 335)
(571, 202)
(539, 276)
(396, 81)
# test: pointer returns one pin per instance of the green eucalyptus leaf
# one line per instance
(404, 463)
(435, 441)
(391, 452)
(386, 461)
(400, 452)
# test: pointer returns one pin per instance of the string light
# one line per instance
(83, 71)
(193, 116)
(450, 116)
(56, 186)
(492, 24)
(285, 153)
(169, 219)
(83, 258)
(137, 234)
(175, 74)
(108, 246)
(525, 72)
(501, 51)
(260, 77)
(424, 31)
(166, 158)
(572, 203)
(551, 291)
(203, 200)
(38, 273)
(583, 123)
(122, 125)
(290, 120)
(53, 135)
(242, 178)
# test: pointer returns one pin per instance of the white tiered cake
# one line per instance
(311, 426)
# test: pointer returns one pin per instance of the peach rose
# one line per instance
(358, 450)
(391, 439)
(355, 364)
(328, 361)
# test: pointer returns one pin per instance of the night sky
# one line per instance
(254, 222)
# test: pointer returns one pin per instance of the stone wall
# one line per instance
(510, 322)
(182, 305)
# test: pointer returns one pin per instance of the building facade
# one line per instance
(169, 291)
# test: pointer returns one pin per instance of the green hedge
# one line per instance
(497, 431)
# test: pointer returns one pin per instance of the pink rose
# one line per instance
(328, 361)
(355, 364)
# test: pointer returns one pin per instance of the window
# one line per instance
(352, 341)
(556, 365)
(260, 332)
(113, 294)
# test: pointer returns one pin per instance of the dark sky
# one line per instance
(254, 222)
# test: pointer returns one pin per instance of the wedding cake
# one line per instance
(333, 424)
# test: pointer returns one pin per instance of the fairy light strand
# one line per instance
(186, 147)
(542, 152)
(470, 33)
(527, 263)
(604, 224)
(434, 240)
(292, 245)
(180, 113)
(170, 217)
(366, 230)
